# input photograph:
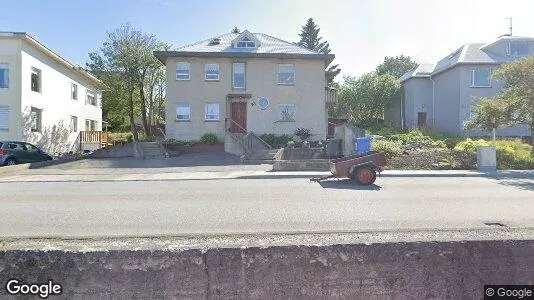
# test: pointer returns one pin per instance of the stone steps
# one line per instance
(151, 150)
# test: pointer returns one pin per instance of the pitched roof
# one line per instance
(53, 55)
(422, 70)
(269, 47)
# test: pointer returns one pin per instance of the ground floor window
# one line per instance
(212, 111)
(4, 118)
(286, 112)
(73, 124)
(90, 125)
(183, 112)
(35, 119)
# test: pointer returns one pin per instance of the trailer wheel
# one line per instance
(365, 175)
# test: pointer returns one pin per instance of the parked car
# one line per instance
(12, 153)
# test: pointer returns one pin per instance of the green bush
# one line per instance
(414, 136)
(290, 144)
(179, 143)
(390, 148)
(276, 141)
(511, 154)
(439, 144)
(209, 138)
(448, 138)
(120, 137)
(385, 131)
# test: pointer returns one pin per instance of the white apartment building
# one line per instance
(44, 99)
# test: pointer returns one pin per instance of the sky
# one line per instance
(360, 32)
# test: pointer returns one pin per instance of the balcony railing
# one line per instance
(330, 95)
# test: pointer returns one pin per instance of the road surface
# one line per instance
(258, 206)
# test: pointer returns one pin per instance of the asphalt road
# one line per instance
(257, 206)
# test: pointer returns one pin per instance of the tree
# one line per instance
(515, 104)
(310, 39)
(235, 30)
(396, 66)
(489, 115)
(366, 98)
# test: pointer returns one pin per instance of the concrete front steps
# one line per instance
(260, 157)
(151, 150)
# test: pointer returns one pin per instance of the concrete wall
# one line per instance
(447, 101)
(348, 133)
(55, 101)
(261, 81)
(424, 270)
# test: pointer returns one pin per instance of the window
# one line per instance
(286, 74)
(481, 78)
(73, 124)
(212, 111)
(74, 91)
(4, 76)
(518, 49)
(91, 98)
(212, 71)
(182, 71)
(183, 112)
(29, 147)
(35, 119)
(286, 112)
(90, 125)
(36, 80)
(4, 118)
(245, 43)
(239, 75)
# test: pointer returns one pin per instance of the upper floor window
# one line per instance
(518, 48)
(36, 80)
(245, 43)
(286, 74)
(183, 112)
(212, 71)
(4, 76)
(35, 119)
(481, 78)
(239, 75)
(91, 98)
(182, 71)
(74, 91)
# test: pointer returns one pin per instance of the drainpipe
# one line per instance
(433, 103)
(402, 109)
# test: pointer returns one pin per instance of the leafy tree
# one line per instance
(396, 66)
(365, 99)
(310, 39)
(235, 30)
(515, 104)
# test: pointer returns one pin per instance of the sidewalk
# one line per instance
(249, 174)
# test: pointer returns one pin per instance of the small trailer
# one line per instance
(361, 168)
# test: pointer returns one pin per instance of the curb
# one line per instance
(8, 170)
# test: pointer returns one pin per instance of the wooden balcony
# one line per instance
(330, 96)
(93, 137)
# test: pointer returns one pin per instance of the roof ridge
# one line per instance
(293, 44)
(203, 41)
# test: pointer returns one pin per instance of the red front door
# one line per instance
(239, 117)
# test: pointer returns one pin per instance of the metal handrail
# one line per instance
(164, 135)
(248, 133)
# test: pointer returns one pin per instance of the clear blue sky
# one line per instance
(360, 32)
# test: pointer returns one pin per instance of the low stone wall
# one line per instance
(125, 150)
(301, 165)
(301, 153)
(436, 270)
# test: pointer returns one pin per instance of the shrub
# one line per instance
(276, 141)
(439, 144)
(511, 154)
(290, 144)
(120, 137)
(303, 133)
(390, 148)
(179, 143)
(209, 138)
(385, 131)
(470, 145)
(414, 136)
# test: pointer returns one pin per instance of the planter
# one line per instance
(487, 159)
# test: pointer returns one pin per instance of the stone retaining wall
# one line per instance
(425, 270)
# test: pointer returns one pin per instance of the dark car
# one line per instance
(12, 153)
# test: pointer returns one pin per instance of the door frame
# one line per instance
(233, 126)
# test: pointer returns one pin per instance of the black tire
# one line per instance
(365, 175)
(10, 162)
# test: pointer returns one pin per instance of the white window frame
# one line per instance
(39, 74)
(88, 94)
(73, 124)
(184, 104)
(244, 75)
(279, 116)
(473, 83)
(182, 71)
(286, 65)
(5, 85)
(213, 78)
(39, 119)
(5, 110)
(248, 44)
(207, 116)
(73, 91)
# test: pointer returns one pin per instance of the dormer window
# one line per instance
(245, 43)
(517, 48)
